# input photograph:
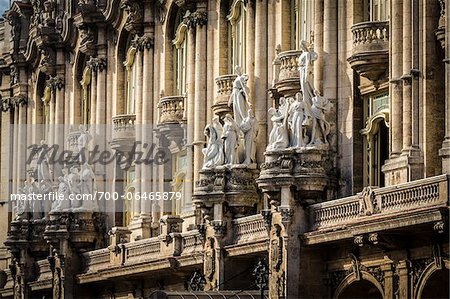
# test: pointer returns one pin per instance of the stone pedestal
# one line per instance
(291, 179)
(70, 234)
(403, 168)
(222, 194)
(140, 228)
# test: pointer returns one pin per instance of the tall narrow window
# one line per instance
(238, 34)
(128, 202)
(376, 143)
(86, 100)
(179, 168)
(302, 21)
(376, 10)
(131, 82)
(180, 59)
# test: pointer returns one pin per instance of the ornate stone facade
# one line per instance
(306, 144)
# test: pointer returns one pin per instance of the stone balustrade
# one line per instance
(143, 250)
(251, 228)
(398, 199)
(370, 52)
(172, 109)
(124, 131)
(97, 259)
(287, 82)
(224, 89)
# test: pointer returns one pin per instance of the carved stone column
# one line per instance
(445, 150)
(146, 46)
(57, 89)
(197, 21)
(260, 95)
(404, 284)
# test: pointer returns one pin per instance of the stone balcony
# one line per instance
(172, 110)
(287, 83)
(124, 132)
(224, 88)
(423, 202)
(370, 53)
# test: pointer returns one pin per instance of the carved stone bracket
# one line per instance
(286, 214)
(220, 228)
(135, 18)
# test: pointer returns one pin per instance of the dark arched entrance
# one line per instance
(437, 286)
(361, 289)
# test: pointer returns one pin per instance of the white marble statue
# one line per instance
(239, 98)
(249, 127)
(230, 138)
(43, 165)
(62, 203)
(298, 121)
(20, 206)
(88, 185)
(320, 127)
(279, 136)
(213, 153)
(305, 66)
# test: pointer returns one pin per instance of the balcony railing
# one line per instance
(124, 131)
(251, 228)
(172, 109)
(370, 53)
(224, 89)
(398, 199)
(287, 82)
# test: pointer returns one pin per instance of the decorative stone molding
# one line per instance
(370, 53)
(88, 37)
(234, 185)
(8, 104)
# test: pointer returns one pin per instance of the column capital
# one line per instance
(145, 42)
(196, 18)
(97, 63)
(55, 83)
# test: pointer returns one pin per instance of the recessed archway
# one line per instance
(361, 289)
(437, 285)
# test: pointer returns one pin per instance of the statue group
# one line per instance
(224, 140)
(74, 188)
(300, 122)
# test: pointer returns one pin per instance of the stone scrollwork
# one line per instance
(143, 42)
(196, 18)
(134, 8)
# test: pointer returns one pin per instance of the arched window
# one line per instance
(180, 57)
(179, 168)
(376, 10)
(238, 34)
(86, 104)
(376, 143)
(302, 21)
(131, 81)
